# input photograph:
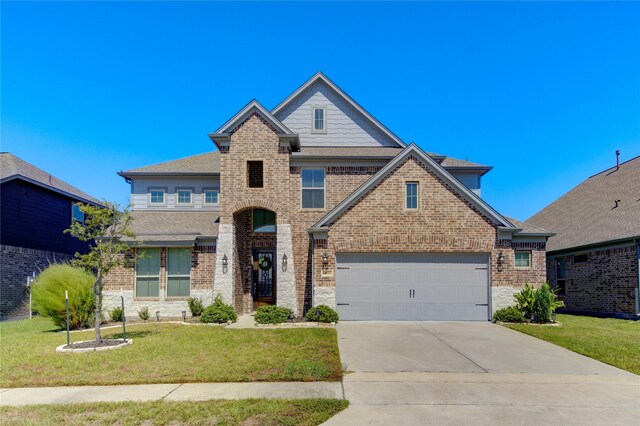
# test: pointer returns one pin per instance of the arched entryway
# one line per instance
(256, 257)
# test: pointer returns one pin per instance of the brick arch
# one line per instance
(254, 203)
(430, 243)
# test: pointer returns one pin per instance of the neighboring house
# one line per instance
(316, 202)
(35, 209)
(593, 258)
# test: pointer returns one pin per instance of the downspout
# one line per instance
(313, 271)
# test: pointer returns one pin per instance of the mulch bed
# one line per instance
(95, 344)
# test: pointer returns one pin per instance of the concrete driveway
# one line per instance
(416, 373)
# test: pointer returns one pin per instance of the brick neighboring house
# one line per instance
(593, 258)
(316, 202)
(35, 209)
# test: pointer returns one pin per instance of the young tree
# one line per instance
(104, 227)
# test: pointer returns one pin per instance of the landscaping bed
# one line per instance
(612, 341)
(167, 353)
(305, 412)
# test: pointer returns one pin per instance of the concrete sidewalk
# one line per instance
(170, 392)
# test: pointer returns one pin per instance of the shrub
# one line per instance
(508, 314)
(219, 312)
(545, 303)
(272, 315)
(116, 314)
(195, 306)
(525, 300)
(48, 295)
(143, 313)
(322, 313)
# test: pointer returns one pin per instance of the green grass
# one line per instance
(244, 412)
(167, 353)
(612, 341)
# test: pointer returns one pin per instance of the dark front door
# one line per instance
(264, 277)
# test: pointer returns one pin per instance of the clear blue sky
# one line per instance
(544, 92)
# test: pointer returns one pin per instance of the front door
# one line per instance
(264, 277)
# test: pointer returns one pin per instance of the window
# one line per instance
(318, 120)
(254, 174)
(560, 275)
(178, 272)
(523, 259)
(313, 188)
(184, 196)
(264, 221)
(411, 190)
(148, 273)
(156, 196)
(76, 213)
(211, 196)
(580, 258)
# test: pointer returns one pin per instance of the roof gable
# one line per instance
(589, 215)
(12, 167)
(443, 174)
(251, 108)
(348, 123)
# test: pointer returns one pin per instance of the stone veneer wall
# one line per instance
(16, 264)
(203, 261)
(607, 283)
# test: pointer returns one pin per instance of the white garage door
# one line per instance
(412, 286)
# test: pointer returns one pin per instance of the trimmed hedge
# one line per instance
(272, 315)
(508, 314)
(116, 314)
(219, 313)
(322, 313)
(196, 306)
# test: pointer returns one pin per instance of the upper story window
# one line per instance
(254, 174)
(183, 196)
(411, 195)
(76, 214)
(319, 119)
(312, 188)
(156, 196)
(523, 259)
(264, 220)
(211, 196)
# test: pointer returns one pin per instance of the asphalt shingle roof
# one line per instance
(528, 228)
(208, 163)
(588, 214)
(14, 167)
(152, 226)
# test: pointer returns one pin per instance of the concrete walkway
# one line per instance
(448, 373)
(170, 392)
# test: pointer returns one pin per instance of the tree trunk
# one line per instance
(97, 288)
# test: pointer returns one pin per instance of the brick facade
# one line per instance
(16, 264)
(606, 283)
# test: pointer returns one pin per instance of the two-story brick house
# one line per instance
(316, 202)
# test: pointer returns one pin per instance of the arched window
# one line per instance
(264, 220)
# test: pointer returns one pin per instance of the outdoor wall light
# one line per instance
(284, 262)
(500, 261)
(225, 263)
(325, 258)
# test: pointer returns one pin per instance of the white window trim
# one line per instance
(324, 191)
(406, 184)
(135, 278)
(204, 197)
(178, 190)
(515, 261)
(164, 196)
(313, 119)
(190, 276)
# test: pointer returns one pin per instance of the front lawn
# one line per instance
(244, 412)
(167, 353)
(612, 341)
